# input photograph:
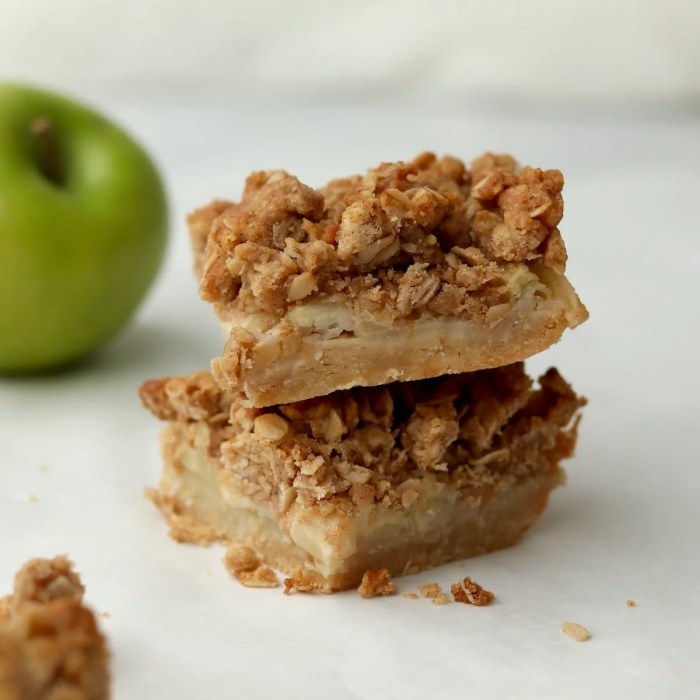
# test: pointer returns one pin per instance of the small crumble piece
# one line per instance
(575, 631)
(302, 580)
(238, 559)
(471, 593)
(50, 645)
(262, 577)
(441, 599)
(270, 427)
(245, 566)
(411, 596)
(376, 582)
(44, 580)
(631, 603)
(430, 590)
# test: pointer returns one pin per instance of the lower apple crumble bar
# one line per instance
(50, 645)
(403, 477)
(413, 271)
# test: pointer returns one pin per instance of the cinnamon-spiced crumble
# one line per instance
(50, 644)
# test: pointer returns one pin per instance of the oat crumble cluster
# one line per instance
(375, 583)
(370, 415)
(470, 593)
(430, 234)
(50, 644)
(378, 444)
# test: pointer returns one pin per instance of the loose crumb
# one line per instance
(240, 559)
(302, 580)
(50, 643)
(411, 596)
(430, 590)
(262, 577)
(631, 603)
(243, 563)
(33, 499)
(376, 582)
(575, 631)
(104, 615)
(441, 599)
(470, 593)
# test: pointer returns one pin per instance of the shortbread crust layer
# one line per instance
(403, 477)
(468, 263)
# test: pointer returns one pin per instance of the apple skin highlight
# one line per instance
(83, 229)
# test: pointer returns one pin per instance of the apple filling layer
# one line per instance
(405, 476)
(412, 271)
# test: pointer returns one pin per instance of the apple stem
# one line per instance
(49, 154)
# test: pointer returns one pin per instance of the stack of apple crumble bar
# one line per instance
(370, 408)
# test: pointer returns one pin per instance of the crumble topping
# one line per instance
(429, 235)
(50, 645)
(575, 631)
(470, 592)
(195, 397)
(199, 223)
(376, 582)
(372, 445)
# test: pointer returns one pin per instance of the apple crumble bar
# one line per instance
(413, 271)
(400, 477)
(50, 645)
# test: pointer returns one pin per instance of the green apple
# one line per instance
(83, 224)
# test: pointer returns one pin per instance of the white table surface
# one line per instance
(78, 450)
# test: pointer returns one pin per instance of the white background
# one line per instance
(563, 52)
(625, 526)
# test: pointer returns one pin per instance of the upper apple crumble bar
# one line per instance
(401, 477)
(50, 645)
(415, 270)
